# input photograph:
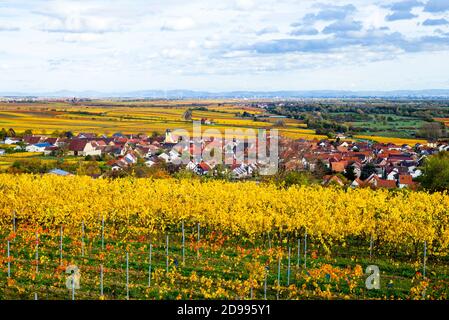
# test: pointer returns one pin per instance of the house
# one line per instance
(117, 165)
(164, 157)
(10, 140)
(376, 182)
(202, 168)
(357, 169)
(130, 159)
(118, 135)
(405, 181)
(60, 172)
(83, 135)
(144, 152)
(174, 155)
(357, 183)
(244, 170)
(332, 180)
(149, 163)
(338, 166)
(169, 138)
(415, 172)
(82, 147)
(393, 174)
(50, 150)
(29, 139)
(51, 140)
(191, 165)
(39, 147)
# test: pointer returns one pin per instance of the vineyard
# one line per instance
(182, 239)
(151, 116)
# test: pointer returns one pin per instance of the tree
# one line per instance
(431, 131)
(320, 169)
(62, 151)
(368, 170)
(89, 168)
(11, 132)
(187, 115)
(3, 134)
(68, 134)
(185, 174)
(28, 132)
(299, 178)
(56, 133)
(435, 175)
(154, 134)
(350, 174)
(279, 123)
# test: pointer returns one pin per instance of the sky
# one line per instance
(263, 45)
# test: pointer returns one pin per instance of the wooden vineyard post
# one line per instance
(73, 285)
(37, 253)
(424, 259)
(305, 250)
(14, 222)
(60, 246)
(127, 276)
(101, 280)
(279, 278)
(9, 262)
(288, 267)
(149, 266)
(102, 233)
(269, 240)
(198, 241)
(82, 238)
(166, 254)
(183, 244)
(265, 283)
(299, 252)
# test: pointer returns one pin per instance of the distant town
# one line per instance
(337, 161)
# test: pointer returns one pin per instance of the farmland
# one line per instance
(141, 117)
(155, 116)
(379, 118)
(217, 240)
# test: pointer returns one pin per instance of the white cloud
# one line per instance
(141, 44)
(80, 37)
(245, 4)
(79, 24)
(179, 24)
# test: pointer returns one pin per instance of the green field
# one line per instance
(398, 127)
(216, 266)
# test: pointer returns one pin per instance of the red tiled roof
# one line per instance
(31, 139)
(359, 182)
(51, 140)
(328, 179)
(77, 145)
(405, 179)
(338, 166)
(203, 165)
(390, 184)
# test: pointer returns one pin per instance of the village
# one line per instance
(335, 162)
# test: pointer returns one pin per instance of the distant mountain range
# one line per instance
(188, 94)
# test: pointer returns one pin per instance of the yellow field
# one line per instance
(398, 141)
(136, 117)
(443, 120)
(247, 208)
